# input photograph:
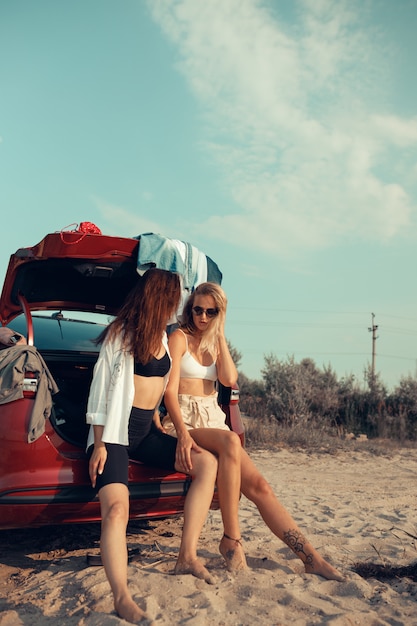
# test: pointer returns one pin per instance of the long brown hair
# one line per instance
(210, 338)
(143, 317)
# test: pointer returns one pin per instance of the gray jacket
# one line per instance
(14, 362)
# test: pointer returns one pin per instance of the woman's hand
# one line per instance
(157, 421)
(97, 462)
(185, 444)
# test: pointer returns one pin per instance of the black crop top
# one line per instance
(155, 367)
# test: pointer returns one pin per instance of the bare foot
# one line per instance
(194, 567)
(232, 552)
(323, 568)
(127, 609)
(313, 562)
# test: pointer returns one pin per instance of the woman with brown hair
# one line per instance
(200, 357)
(129, 380)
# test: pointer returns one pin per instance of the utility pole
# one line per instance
(373, 330)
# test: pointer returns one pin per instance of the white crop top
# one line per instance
(191, 368)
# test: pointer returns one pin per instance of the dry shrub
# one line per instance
(386, 572)
(269, 432)
(262, 432)
(312, 436)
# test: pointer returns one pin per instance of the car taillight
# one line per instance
(30, 385)
(234, 396)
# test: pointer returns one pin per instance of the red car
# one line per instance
(50, 294)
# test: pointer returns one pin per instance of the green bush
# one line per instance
(312, 402)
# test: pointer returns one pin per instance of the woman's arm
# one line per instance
(226, 369)
(177, 348)
(98, 457)
(97, 412)
(100, 384)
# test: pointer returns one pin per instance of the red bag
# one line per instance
(89, 228)
(85, 228)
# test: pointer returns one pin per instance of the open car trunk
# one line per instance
(52, 291)
(73, 377)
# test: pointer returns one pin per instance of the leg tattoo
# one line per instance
(296, 541)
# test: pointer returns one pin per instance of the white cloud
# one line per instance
(401, 132)
(123, 222)
(289, 120)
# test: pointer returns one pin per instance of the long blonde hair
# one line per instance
(210, 339)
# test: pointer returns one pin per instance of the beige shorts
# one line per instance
(198, 412)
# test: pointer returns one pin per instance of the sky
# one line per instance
(278, 136)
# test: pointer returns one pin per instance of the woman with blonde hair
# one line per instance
(200, 357)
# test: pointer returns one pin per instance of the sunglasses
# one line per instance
(198, 310)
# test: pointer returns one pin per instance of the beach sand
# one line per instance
(355, 507)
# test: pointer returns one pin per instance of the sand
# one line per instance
(355, 507)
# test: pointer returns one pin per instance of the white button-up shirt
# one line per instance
(112, 392)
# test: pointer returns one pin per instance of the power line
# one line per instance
(292, 324)
(314, 353)
(232, 307)
(387, 329)
(361, 327)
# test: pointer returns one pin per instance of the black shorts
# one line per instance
(155, 448)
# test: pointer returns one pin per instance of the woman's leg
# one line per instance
(227, 447)
(196, 507)
(277, 518)
(114, 502)
(161, 446)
